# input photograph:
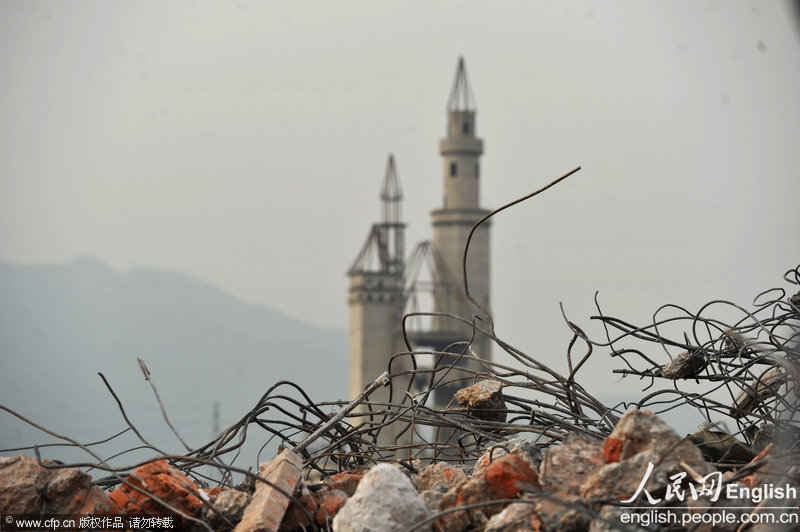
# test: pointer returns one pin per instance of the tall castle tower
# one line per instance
(461, 150)
(377, 295)
(378, 284)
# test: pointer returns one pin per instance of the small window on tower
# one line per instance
(465, 128)
(453, 169)
(477, 170)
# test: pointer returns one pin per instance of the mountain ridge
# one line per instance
(61, 324)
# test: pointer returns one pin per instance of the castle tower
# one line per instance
(376, 297)
(461, 150)
(378, 291)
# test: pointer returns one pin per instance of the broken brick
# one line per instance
(504, 475)
(330, 502)
(502, 479)
(301, 513)
(268, 505)
(161, 480)
(346, 481)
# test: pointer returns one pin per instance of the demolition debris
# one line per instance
(521, 447)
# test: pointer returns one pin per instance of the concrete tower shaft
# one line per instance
(376, 302)
(377, 297)
(461, 150)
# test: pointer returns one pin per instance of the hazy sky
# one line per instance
(244, 143)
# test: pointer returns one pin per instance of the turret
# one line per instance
(461, 149)
(376, 296)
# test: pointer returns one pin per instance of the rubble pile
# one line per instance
(519, 448)
(640, 470)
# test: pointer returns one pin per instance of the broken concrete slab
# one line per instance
(268, 505)
(28, 488)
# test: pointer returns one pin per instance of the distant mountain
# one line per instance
(61, 324)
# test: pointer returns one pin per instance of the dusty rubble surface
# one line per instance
(578, 484)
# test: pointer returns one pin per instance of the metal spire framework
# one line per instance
(461, 96)
(391, 199)
(384, 248)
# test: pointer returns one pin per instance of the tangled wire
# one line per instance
(742, 371)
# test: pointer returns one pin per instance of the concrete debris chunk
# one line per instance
(561, 511)
(581, 483)
(795, 299)
(439, 474)
(758, 391)
(268, 505)
(435, 480)
(483, 400)
(516, 517)
(515, 446)
(641, 438)
(686, 365)
(28, 488)
(504, 478)
(642, 430)
(619, 481)
(385, 500)
(566, 467)
(762, 436)
(719, 446)
(228, 509)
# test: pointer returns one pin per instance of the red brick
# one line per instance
(330, 502)
(505, 473)
(160, 480)
(612, 448)
(296, 518)
(346, 482)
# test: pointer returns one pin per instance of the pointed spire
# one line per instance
(461, 97)
(391, 184)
